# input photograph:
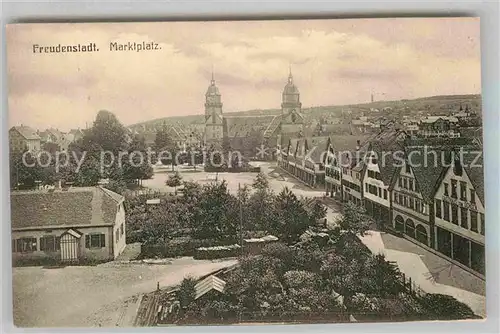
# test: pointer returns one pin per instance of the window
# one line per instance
(400, 199)
(454, 214)
(463, 191)
(454, 188)
(464, 218)
(50, 243)
(385, 194)
(424, 208)
(438, 209)
(25, 245)
(407, 169)
(473, 221)
(366, 187)
(417, 206)
(405, 185)
(122, 229)
(411, 184)
(481, 221)
(472, 196)
(400, 183)
(117, 235)
(95, 240)
(446, 211)
(379, 192)
(446, 189)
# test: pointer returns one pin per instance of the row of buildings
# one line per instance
(420, 187)
(22, 138)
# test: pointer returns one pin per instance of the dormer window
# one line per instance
(457, 168)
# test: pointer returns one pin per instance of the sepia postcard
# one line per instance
(246, 172)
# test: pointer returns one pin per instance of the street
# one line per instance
(92, 296)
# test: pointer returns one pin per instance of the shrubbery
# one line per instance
(217, 252)
(180, 247)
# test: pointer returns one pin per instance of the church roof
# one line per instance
(290, 88)
(212, 89)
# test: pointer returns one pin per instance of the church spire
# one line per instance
(290, 77)
(212, 82)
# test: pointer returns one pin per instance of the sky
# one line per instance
(334, 62)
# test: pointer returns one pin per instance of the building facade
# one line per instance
(459, 215)
(67, 225)
(23, 138)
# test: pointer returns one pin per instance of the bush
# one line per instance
(179, 247)
(217, 252)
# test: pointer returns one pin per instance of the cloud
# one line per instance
(333, 62)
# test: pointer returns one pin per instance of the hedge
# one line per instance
(211, 169)
(217, 252)
(179, 247)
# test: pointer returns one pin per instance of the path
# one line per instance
(412, 265)
(86, 296)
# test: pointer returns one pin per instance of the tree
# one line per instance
(217, 213)
(136, 165)
(292, 219)
(108, 132)
(165, 143)
(174, 180)
(354, 219)
(261, 182)
(187, 292)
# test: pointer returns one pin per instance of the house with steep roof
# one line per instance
(380, 164)
(22, 138)
(413, 192)
(459, 229)
(305, 158)
(67, 225)
(337, 144)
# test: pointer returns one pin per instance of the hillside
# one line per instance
(434, 105)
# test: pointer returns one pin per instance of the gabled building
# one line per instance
(438, 126)
(413, 193)
(305, 159)
(352, 165)
(67, 225)
(23, 138)
(459, 212)
(380, 166)
(337, 144)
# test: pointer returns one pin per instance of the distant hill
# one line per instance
(433, 105)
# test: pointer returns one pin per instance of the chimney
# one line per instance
(358, 145)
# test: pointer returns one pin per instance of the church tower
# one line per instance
(292, 120)
(213, 117)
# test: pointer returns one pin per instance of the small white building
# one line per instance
(67, 225)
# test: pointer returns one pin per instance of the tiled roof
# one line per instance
(208, 284)
(316, 147)
(242, 126)
(74, 207)
(26, 132)
(428, 171)
(475, 171)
